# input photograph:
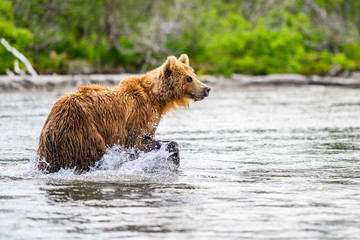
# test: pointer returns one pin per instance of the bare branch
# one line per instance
(20, 56)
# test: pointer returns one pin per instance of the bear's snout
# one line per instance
(206, 91)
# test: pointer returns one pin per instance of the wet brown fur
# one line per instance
(82, 124)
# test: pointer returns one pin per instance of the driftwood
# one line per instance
(50, 82)
(296, 79)
(57, 81)
(20, 56)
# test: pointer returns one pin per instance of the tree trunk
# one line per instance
(345, 9)
(306, 8)
(111, 28)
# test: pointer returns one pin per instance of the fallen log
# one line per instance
(50, 82)
(295, 79)
(335, 81)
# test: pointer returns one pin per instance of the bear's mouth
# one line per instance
(196, 97)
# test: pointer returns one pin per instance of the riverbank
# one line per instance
(51, 82)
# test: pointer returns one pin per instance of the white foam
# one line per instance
(123, 161)
(117, 162)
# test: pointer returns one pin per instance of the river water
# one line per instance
(259, 162)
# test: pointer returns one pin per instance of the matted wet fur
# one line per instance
(81, 125)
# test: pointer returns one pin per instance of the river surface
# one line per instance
(256, 163)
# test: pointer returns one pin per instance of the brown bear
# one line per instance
(81, 125)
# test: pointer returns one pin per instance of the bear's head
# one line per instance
(177, 83)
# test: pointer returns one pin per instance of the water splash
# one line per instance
(117, 162)
(124, 161)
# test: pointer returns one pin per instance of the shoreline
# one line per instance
(53, 82)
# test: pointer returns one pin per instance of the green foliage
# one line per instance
(19, 38)
(6, 11)
(221, 37)
(236, 45)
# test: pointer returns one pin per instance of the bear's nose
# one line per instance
(207, 91)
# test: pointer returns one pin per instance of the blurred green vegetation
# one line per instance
(220, 37)
(18, 37)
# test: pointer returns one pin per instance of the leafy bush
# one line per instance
(221, 37)
(19, 38)
(234, 45)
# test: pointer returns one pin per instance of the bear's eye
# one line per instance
(189, 79)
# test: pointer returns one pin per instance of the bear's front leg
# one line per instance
(171, 147)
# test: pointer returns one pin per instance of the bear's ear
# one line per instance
(168, 66)
(184, 59)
